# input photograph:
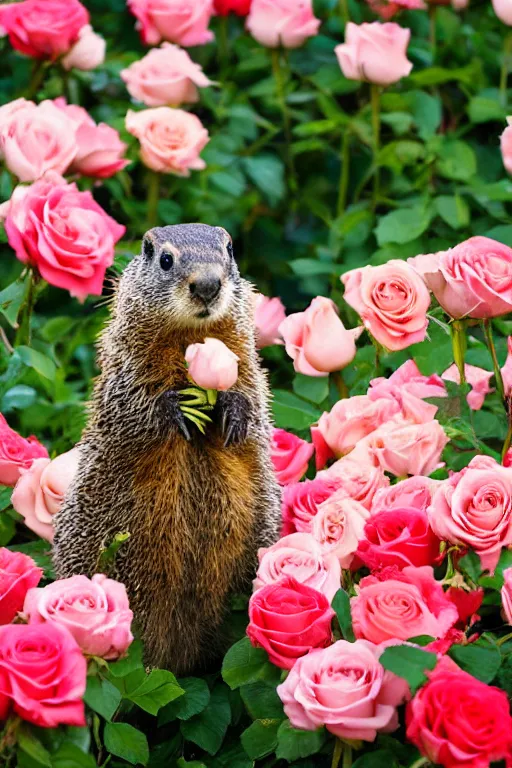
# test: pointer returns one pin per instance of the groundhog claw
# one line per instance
(174, 413)
(235, 409)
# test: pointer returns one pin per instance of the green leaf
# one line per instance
(70, 756)
(19, 397)
(36, 360)
(196, 698)
(294, 744)
(341, 604)
(403, 225)
(31, 745)
(313, 388)
(453, 210)
(378, 759)
(158, 689)
(408, 662)
(426, 110)
(471, 565)
(483, 109)
(102, 697)
(456, 160)
(232, 757)
(182, 763)
(504, 676)
(261, 701)
(502, 233)
(208, 729)
(267, 173)
(291, 412)
(260, 739)
(131, 662)
(480, 659)
(435, 353)
(245, 664)
(11, 300)
(126, 742)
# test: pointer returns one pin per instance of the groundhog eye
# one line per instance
(166, 260)
(229, 248)
(148, 249)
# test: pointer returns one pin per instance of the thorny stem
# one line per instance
(505, 65)
(345, 171)
(281, 97)
(459, 347)
(375, 104)
(152, 198)
(487, 326)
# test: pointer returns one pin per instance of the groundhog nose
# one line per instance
(205, 288)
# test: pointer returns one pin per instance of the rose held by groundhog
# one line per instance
(197, 507)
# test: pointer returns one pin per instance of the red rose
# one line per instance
(240, 7)
(43, 674)
(459, 722)
(398, 537)
(18, 574)
(288, 619)
(466, 603)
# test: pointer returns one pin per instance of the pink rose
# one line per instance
(268, 316)
(404, 449)
(506, 136)
(358, 479)
(392, 302)
(503, 10)
(289, 619)
(16, 453)
(165, 75)
(345, 688)
(478, 380)
(88, 52)
(386, 9)
(43, 28)
(407, 386)
(398, 536)
(299, 555)
(286, 23)
(43, 674)
(170, 139)
(375, 52)
(338, 527)
(40, 491)
(290, 456)
(317, 341)
(18, 574)
(301, 502)
(96, 612)
(506, 371)
(401, 605)
(506, 594)
(100, 151)
(184, 22)
(474, 508)
(212, 365)
(416, 492)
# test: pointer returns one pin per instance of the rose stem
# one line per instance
(487, 326)
(223, 46)
(281, 97)
(375, 103)
(23, 333)
(38, 72)
(340, 384)
(507, 50)
(508, 440)
(347, 756)
(152, 198)
(421, 762)
(432, 12)
(345, 171)
(338, 749)
(459, 347)
(345, 16)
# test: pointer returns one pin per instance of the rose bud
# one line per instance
(212, 365)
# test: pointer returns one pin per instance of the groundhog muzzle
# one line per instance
(197, 507)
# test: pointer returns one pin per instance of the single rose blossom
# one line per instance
(360, 480)
(212, 365)
(375, 52)
(345, 688)
(301, 501)
(416, 492)
(403, 448)
(317, 341)
(289, 619)
(88, 52)
(282, 23)
(44, 29)
(338, 527)
(386, 9)
(17, 453)
(408, 387)
(240, 7)
(503, 10)
(171, 140)
(301, 556)
(184, 22)
(18, 574)
(290, 456)
(99, 151)
(477, 378)
(506, 371)
(165, 76)
(506, 595)
(268, 316)
(456, 720)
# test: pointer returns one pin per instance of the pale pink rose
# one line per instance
(171, 140)
(358, 479)
(7, 110)
(44, 29)
(402, 448)
(212, 365)
(100, 151)
(88, 52)
(392, 302)
(301, 556)
(317, 341)
(184, 22)
(401, 605)
(474, 508)
(165, 76)
(286, 23)
(416, 492)
(290, 456)
(96, 612)
(375, 52)
(35, 139)
(474, 279)
(503, 10)
(268, 316)
(506, 137)
(477, 378)
(506, 595)
(506, 371)
(407, 386)
(338, 527)
(78, 115)
(40, 491)
(345, 688)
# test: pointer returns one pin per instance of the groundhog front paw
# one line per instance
(235, 409)
(172, 413)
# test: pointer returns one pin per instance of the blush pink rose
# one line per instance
(338, 527)
(477, 378)
(64, 233)
(358, 479)
(43, 673)
(401, 605)
(88, 52)
(99, 151)
(212, 365)
(282, 23)
(96, 612)
(44, 29)
(268, 316)
(506, 136)
(506, 594)
(392, 302)
(301, 556)
(473, 508)
(416, 492)
(375, 52)
(18, 574)
(40, 491)
(184, 22)
(290, 456)
(402, 448)
(506, 371)
(503, 10)
(171, 140)
(289, 619)
(301, 502)
(345, 688)
(17, 453)
(408, 387)
(317, 341)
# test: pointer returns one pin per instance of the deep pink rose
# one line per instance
(506, 595)
(358, 479)
(212, 365)
(240, 7)
(16, 453)
(286, 23)
(345, 688)
(288, 619)
(184, 22)
(401, 605)
(477, 378)
(386, 9)
(408, 387)
(64, 233)
(301, 501)
(338, 527)
(375, 52)
(268, 316)
(414, 492)
(404, 448)
(290, 456)
(43, 28)
(88, 52)
(18, 574)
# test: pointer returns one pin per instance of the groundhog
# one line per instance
(197, 507)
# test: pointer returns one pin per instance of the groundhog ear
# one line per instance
(148, 248)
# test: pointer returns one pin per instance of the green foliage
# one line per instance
(409, 662)
(341, 604)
